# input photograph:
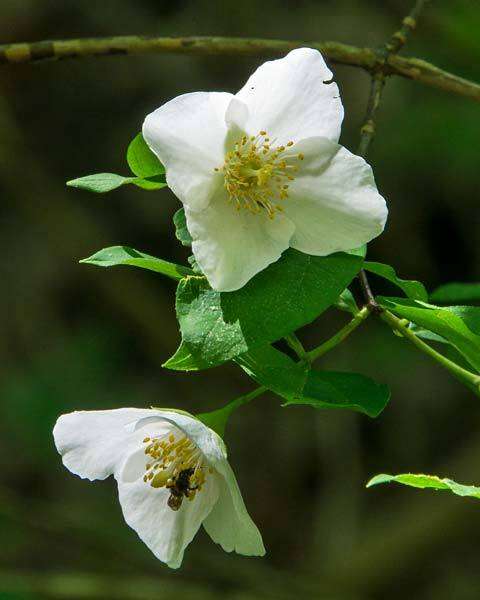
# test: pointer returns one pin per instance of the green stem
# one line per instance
(217, 419)
(297, 346)
(341, 335)
(402, 327)
(245, 399)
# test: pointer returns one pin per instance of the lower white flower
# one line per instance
(172, 474)
(261, 170)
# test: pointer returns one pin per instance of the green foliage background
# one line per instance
(74, 337)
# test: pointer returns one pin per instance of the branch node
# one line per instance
(368, 128)
(409, 22)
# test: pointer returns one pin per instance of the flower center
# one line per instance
(257, 173)
(177, 464)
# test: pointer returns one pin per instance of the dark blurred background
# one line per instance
(77, 337)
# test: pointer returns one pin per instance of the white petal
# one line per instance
(166, 532)
(333, 202)
(289, 99)
(229, 523)
(188, 134)
(93, 444)
(232, 246)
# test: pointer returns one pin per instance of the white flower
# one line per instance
(172, 475)
(261, 171)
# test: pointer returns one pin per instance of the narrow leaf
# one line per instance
(427, 482)
(456, 293)
(459, 326)
(412, 289)
(100, 182)
(106, 182)
(141, 160)
(123, 255)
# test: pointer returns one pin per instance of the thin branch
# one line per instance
(409, 23)
(367, 58)
(340, 336)
(296, 345)
(402, 327)
(367, 131)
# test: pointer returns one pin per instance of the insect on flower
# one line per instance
(172, 475)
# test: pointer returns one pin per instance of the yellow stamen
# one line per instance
(176, 464)
(255, 173)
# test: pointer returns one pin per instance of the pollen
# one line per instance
(255, 173)
(176, 463)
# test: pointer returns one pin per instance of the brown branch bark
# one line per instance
(366, 58)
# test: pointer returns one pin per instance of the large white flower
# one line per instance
(261, 171)
(172, 474)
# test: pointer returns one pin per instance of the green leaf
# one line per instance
(101, 183)
(332, 389)
(290, 293)
(360, 251)
(123, 255)
(156, 182)
(275, 370)
(347, 303)
(452, 323)
(181, 230)
(183, 360)
(412, 289)
(456, 293)
(299, 384)
(141, 160)
(194, 265)
(425, 334)
(427, 482)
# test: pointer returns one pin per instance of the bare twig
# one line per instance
(367, 58)
(367, 131)
(409, 23)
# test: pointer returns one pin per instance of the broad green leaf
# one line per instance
(360, 251)
(427, 482)
(299, 384)
(275, 370)
(141, 160)
(156, 182)
(412, 289)
(183, 360)
(290, 293)
(447, 322)
(122, 255)
(181, 230)
(456, 293)
(101, 183)
(332, 389)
